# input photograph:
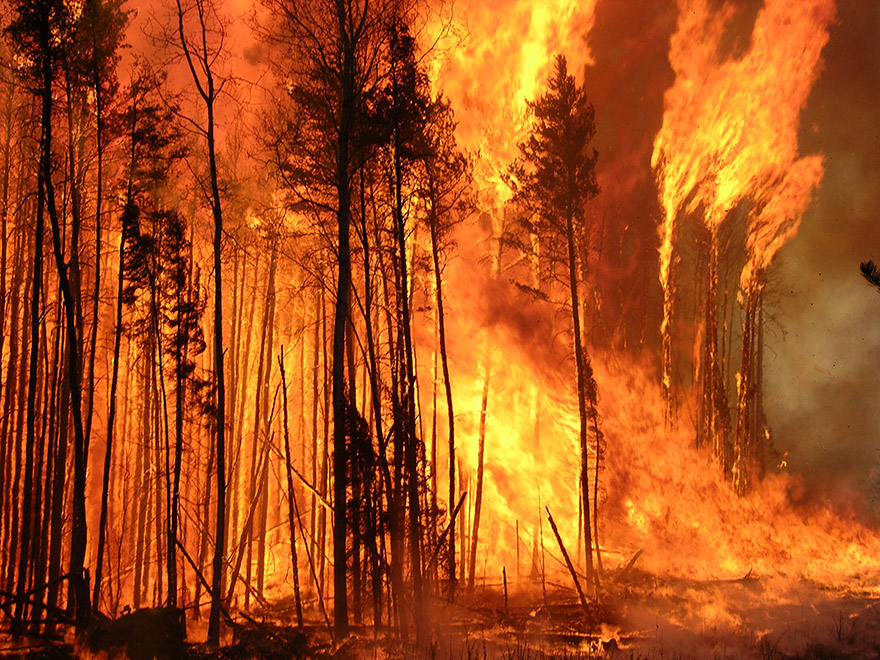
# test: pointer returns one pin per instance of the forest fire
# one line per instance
(411, 329)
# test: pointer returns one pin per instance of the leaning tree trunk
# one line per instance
(291, 497)
(581, 366)
(450, 416)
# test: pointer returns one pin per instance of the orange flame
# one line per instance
(729, 128)
(729, 135)
(506, 53)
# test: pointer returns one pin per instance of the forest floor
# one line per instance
(760, 618)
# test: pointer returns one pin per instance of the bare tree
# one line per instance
(202, 32)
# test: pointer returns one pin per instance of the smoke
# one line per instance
(823, 357)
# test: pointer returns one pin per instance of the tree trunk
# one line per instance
(78, 590)
(450, 415)
(36, 310)
(291, 497)
(220, 430)
(580, 363)
(478, 497)
(111, 419)
(343, 286)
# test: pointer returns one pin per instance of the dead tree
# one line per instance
(201, 52)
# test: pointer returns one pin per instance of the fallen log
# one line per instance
(746, 579)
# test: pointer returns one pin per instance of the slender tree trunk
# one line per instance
(4, 220)
(263, 365)
(36, 310)
(111, 419)
(99, 194)
(15, 457)
(478, 496)
(267, 414)
(209, 97)
(450, 415)
(291, 498)
(408, 404)
(580, 362)
(11, 393)
(324, 475)
(316, 343)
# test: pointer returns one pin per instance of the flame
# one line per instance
(506, 52)
(729, 129)
(729, 136)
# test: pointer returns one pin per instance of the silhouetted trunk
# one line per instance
(4, 225)
(111, 420)
(96, 291)
(78, 590)
(408, 402)
(478, 496)
(343, 287)
(291, 498)
(263, 364)
(580, 363)
(11, 393)
(267, 422)
(316, 343)
(33, 363)
(450, 416)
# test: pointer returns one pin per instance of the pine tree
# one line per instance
(554, 179)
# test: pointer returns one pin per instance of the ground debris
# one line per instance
(268, 642)
(146, 634)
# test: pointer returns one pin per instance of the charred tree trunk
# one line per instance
(748, 455)
(291, 497)
(208, 91)
(715, 415)
(78, 591)
(111, 419)
(35, 314)
(450, 415)
(478, 497)
(586, 404)
(340, 318)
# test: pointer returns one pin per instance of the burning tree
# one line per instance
(727, 150)
(554, 178)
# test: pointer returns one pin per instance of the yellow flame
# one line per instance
(729, 128)
(504, 59)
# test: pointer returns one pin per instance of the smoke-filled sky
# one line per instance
(823, 390)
